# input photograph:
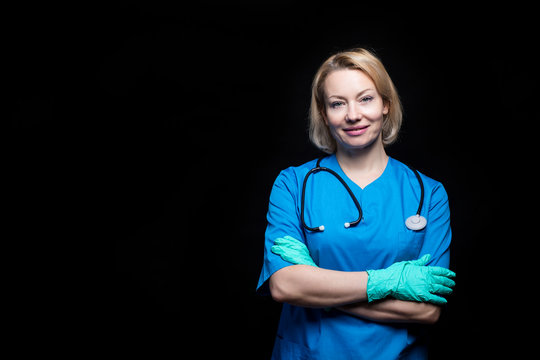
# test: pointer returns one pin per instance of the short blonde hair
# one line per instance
(369, 64)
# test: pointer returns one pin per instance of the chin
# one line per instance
(359, 145)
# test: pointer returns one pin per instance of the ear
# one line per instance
(386, 108)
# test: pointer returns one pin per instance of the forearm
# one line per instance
(310, 286)
(392, 310)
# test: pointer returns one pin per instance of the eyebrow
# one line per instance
(343, 97)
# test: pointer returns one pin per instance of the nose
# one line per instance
(353, 113)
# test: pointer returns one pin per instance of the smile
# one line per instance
(356, 130)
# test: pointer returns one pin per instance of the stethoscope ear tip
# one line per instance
(321, 228)
(347, 225)
(416, 222)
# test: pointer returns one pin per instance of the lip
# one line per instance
(356, 130)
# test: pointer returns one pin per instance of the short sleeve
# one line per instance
(438, 232)
(283, 219)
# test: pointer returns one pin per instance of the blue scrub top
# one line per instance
(380, 240)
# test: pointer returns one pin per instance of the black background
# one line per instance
(143, 141)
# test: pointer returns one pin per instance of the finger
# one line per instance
(276, 249)
(440, 271)
(289, 244)
(440, 289)
(437, 300)
(422, 261)
(284, 254)
(282, 241)
(283, 247)
(443, 280)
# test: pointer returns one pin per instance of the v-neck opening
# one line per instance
(351, 181)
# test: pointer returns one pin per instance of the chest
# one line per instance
(380, 239)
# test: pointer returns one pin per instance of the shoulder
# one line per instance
(294, 175)
(432, 186)
(287, 186)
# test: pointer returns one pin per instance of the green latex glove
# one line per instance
(412, 281)
(292, 250)
(405, 280)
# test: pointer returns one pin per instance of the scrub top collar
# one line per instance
(332, 163)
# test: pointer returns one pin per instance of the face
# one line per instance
(354, 110)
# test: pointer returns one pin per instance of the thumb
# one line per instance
(422, 261)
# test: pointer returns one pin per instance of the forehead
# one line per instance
(341, 82)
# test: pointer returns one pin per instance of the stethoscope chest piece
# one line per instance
(416, 222)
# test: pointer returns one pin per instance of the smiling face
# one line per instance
(354, 110)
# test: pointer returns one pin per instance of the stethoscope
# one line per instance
(414, 222)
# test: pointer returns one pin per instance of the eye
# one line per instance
(336, 104)
(366, 99)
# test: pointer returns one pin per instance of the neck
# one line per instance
(369, 159)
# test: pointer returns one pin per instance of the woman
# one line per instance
(357, 291)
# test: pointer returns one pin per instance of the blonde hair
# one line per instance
(369, 64)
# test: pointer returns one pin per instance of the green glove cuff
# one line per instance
(377, 285)
(386, 282)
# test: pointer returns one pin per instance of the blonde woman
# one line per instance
(357, 243)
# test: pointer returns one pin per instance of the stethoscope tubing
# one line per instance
(415, 222)
(336, 175)
(421, 203)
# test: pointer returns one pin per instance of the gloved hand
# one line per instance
(411, 280)
(292, 250)
(405, 280)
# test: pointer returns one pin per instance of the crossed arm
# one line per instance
(310, 286)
